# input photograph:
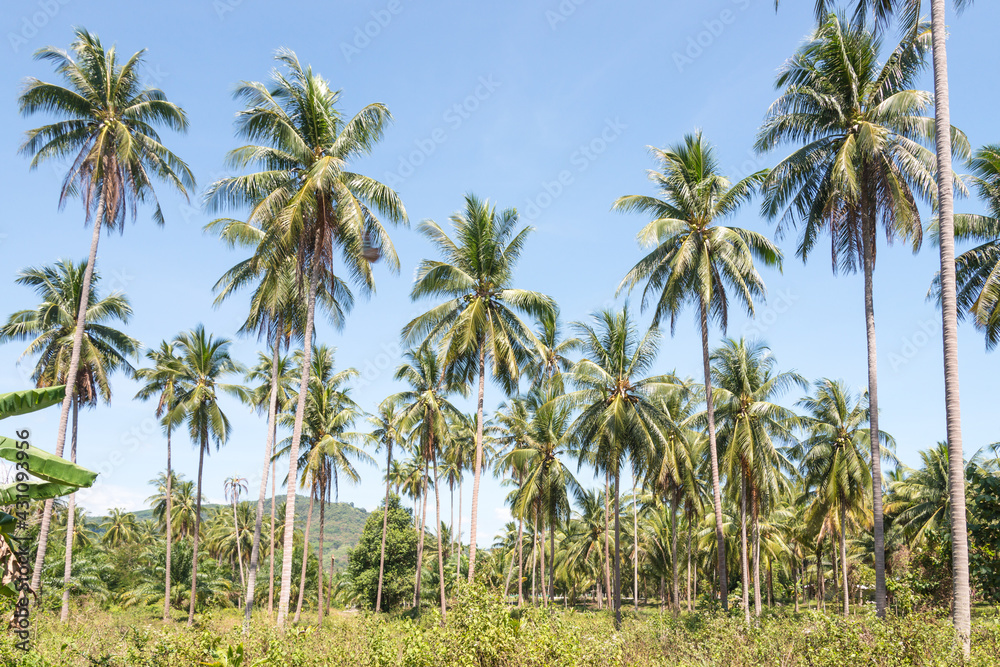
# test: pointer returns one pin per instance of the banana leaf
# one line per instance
(29, 400)
(37, 490)
(48, 467)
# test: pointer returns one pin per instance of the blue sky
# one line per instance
(546, 106)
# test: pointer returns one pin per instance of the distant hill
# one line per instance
(343, 524)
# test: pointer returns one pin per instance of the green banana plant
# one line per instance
(55, 476)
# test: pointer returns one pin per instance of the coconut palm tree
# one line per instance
(424, 413)
(836, 457)
(50, 331)
(552, 351)
(106, 121)
(863, 163)
(619, 418)
(205, 362)
(160, 382)
(479, 322)
(308, 203)
(695, 259)
(754, 432)
(119, 528)
(386, 434)
(944, 140)
(234, 487)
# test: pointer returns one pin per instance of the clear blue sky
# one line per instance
(505, 100)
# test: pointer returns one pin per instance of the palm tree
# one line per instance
(234, 487)
(862, 164)
(161, 382)
(309, 205)
(50, 329)
(424, 413)
(106, 126)
(204, 362)
(386, 434)
(479, 322)
(119, 528)
(276, 392)
(619, 417)
(754, 432)
(944, 136)
(835, 456)
(551, 359)
(695, 259)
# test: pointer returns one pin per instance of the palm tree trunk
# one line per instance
(319, 569)
(510, 575)
(635, 545)
(70, 521)
(949, 316)
(843, 555)
(770, 585)
(552, 558)
(520, 562)
(272, 413)
(868, 237)
(720, 539)
(329, 595)
(197, 528)
(756, 554)
(293, 454)
(239, 550)
(385, 529)
(820, 580)
(477, 469)
(305, 553)
(673, 559)
(607, 534)
(71, 373)
(534, 555)
(689, 599)
(170, 530)
(440, 545)
(542, 588)
(458, 537)
(795, 581)
(420, 543)
(663, 594)
(270, 574)
(618, 561)
(745, 584)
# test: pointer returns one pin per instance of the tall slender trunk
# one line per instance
(689, 599)
(520, 562)
(305, 555)
(745, 583)
(756, 553)
(385, 528)
(663, 594)
(420, 542)
(843, 555)
(820, 580)
(437, 510)
(477, 469)
(534, 554)
(770, 585)
(673, 559)
(458, 536)
(71, 373)
(795, 581)
(170, 531)
(319, 568)
(197, 528)
(949, 321)
(239, 550)
(329, 594)
(70, 524)
(607, 534)
(270, 567)
(552, 558)
(293, 453)
(510, 575)
(618, 557)
(635, 545)
(868, 237)
(720, 538)
(542, 587)
(272, 412)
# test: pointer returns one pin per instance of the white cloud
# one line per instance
(100, 498)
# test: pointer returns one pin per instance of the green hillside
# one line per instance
(342, 531)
